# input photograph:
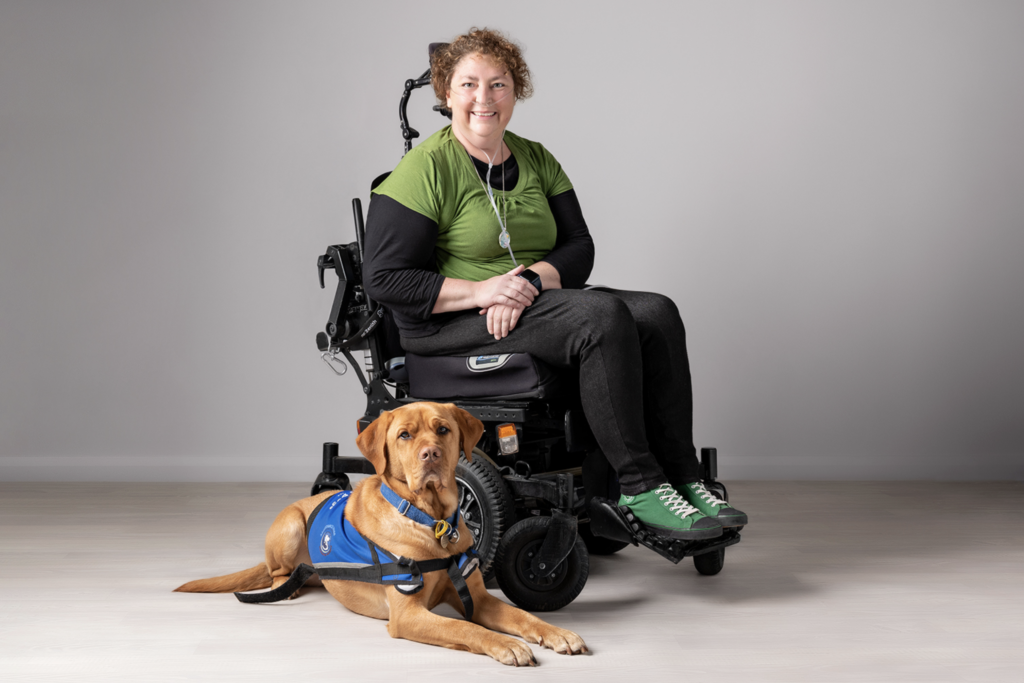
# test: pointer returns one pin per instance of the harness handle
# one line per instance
(298, 578)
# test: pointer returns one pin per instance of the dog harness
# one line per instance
(340, 553)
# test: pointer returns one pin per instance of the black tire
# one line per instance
(512, 569)
(599, 545)
(486, 505)
(326, 481)
(710, 563)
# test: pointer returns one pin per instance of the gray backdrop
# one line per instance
(831, 192)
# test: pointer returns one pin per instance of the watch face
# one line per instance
(531, 277)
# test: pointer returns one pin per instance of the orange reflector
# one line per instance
(508, 439)
(359, 427)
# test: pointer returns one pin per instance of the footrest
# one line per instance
(610, 521)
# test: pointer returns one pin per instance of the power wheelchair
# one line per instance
(539, 495)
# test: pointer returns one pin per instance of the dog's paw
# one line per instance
(511, 652)
(560, 640)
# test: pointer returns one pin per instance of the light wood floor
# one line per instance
(832, 582)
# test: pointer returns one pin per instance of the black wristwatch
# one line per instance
(532, 278)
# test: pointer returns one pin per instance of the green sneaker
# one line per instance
(711, 505)
(666, 513)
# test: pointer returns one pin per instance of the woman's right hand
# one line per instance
(501, 320)
(506, 290)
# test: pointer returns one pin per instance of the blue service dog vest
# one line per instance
(339, 552)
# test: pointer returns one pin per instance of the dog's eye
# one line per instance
(443, 430)
(405, 435)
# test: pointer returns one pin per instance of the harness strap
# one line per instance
(373, 574)
(378, 570)
(316, 511)
(299, 577)
(459, 581)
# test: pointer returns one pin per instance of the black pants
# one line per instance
(630, 348)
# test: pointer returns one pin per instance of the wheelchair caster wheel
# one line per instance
(710, 563)
(513, 568)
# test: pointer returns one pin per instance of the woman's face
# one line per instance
(481, 98)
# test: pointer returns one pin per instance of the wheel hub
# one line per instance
(524, 568)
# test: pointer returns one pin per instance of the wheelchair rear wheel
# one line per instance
(515, 576)
(486, 505)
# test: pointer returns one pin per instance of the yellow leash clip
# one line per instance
(445, 534)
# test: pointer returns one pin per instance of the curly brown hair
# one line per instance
(486, 42)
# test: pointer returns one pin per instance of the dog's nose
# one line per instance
(430, 453)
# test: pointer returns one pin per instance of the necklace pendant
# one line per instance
(504, 240)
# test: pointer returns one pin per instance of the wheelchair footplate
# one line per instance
(612, 521)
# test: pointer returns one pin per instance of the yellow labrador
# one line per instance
(414, 450)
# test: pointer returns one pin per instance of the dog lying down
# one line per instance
(409, 509)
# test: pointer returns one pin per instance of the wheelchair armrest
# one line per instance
(345, 261)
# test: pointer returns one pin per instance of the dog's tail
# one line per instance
(245, 580)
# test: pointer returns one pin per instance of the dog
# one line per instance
(414, 450)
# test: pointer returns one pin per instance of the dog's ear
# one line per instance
(373, 442)
(470, 429)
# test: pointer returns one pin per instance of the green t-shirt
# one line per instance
(438, 180)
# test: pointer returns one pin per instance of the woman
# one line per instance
(478, 245)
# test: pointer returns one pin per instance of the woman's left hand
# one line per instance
(501, 319)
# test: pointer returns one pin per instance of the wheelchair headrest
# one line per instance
(434, 47)
(431, 49)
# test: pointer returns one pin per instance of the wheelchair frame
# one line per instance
(528, 510)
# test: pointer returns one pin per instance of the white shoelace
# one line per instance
(709, 497)
(674, 502)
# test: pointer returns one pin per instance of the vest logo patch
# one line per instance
(325, 539)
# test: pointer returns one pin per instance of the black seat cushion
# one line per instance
(507, 375)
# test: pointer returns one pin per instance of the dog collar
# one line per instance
(445, 530)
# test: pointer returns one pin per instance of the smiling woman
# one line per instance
(450, 235)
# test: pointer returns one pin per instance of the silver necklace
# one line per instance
(504, 239)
